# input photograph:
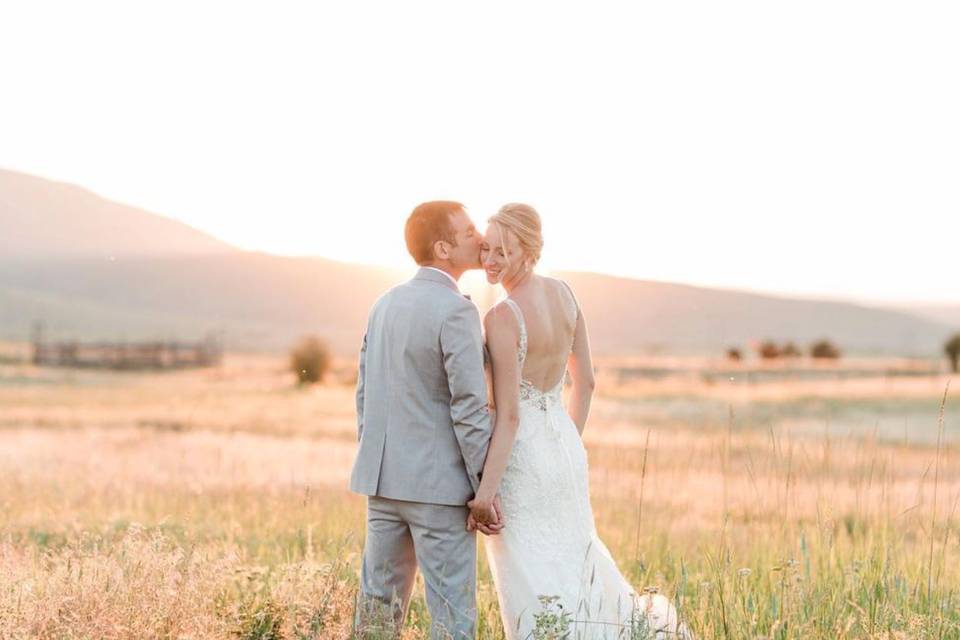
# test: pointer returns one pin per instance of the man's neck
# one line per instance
(444, 272)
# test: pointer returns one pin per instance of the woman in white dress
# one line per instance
(537, 463)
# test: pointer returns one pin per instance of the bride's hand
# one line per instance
(485, 516)
(485, 529)
(483, 511)
(473, 525)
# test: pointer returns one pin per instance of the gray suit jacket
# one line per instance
(422, 417)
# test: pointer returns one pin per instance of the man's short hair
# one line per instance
(427, 224)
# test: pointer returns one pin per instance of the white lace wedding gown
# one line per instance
(549, 546)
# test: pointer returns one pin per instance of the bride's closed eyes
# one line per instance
(485, 249)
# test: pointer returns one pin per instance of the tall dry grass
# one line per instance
(211, 504)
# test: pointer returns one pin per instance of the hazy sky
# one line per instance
(806, 147)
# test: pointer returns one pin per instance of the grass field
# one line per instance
(212, 504)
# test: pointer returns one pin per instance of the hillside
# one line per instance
(45, 219)
(636, 315)
(91, 268)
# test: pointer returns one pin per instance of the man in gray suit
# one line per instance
(424, 428)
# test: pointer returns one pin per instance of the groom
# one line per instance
(424, 429)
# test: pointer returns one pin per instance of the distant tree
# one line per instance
(733, 353)
(790, 350)
(824, 349)
(768, 350)
(310, 359)
(952, 349)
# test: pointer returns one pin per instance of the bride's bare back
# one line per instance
(556, 341)
(550, 314)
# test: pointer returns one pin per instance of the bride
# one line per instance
(548, 558)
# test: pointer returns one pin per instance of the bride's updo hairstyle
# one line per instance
(523, 221)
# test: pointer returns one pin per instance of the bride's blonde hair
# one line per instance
(523, 221)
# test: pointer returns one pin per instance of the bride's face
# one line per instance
(502, 257)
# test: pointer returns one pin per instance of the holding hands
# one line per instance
(485, 516)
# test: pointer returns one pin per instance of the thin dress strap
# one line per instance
(576, 303)
(522, 353)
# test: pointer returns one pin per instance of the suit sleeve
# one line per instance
(462, 344)
(361, 380)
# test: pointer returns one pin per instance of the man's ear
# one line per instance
(440, 250)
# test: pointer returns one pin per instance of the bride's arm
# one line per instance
(503, 334)
(580, 366)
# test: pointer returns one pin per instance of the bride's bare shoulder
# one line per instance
(562, 287)
(500, 315)
(554, 282)
(501, 329)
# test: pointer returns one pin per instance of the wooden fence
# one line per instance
(158, 354)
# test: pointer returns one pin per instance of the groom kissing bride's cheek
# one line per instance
(462, 428)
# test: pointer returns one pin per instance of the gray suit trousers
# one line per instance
(402, 535)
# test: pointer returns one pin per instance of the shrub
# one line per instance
(952, 349)
(768, 350)
(790, 350)
(310, 359)
(824, 349)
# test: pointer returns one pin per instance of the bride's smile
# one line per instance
(502, 257)
(493, 261)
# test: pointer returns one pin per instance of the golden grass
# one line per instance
(212, 504)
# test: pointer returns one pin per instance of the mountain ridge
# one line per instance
(135, 274)
(67, 220)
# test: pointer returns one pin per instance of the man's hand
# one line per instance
(487, 517)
